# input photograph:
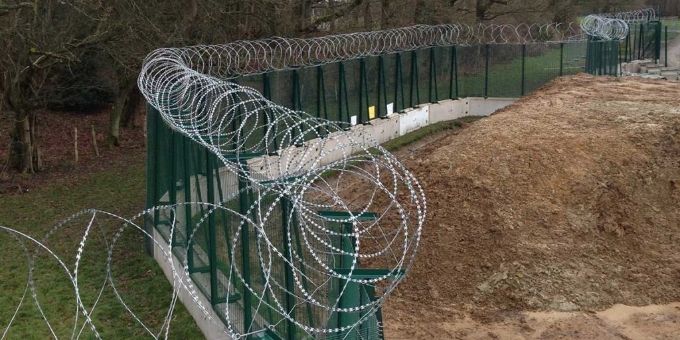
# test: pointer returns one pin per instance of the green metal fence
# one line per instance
(643, 41)
(358, 91)
(353, 92)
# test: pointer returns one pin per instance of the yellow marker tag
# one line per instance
(371, 112)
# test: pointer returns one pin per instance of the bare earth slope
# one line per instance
(568, 200)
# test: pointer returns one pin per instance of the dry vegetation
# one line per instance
(565, 201)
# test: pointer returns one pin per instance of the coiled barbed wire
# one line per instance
(298, 154)
(615, 26)
(306, 165)
(257, 56)
(605, 28)
(639, 15)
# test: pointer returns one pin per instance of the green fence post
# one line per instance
(321, 104)
(657, 41)
(666, 47)
(295, 96)
(297, 104)
(633, 42)
(452, 72)
(561, 59)
(487, 50)
(188, 221)
(625, 52)
(592, 52)
(524, 65)
(343, 101)
(611, 58)
(363, 93)
(172, 184)
(434, 97)
(362, 71)
(602, 59)
(605, 57)
(588, 55)
(212, 237)
(351, 294)
(399, 88)
(319, 82)
(455, 69)
(596, 57)
(151, 176)
(341, 75)
(243, 188)
(267, 93)
(415, 89)
(286, 211)
(234, 122)
(617, 58)
(382, 88)
(642, 42)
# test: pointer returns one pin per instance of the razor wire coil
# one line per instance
(191, 89)
(615, 26)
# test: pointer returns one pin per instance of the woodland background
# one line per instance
(83, 56)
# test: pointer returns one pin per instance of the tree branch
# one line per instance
(313, 27)
(6, 8)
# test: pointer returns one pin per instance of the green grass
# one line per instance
(505, 76)
(429, 130)
(119, 190)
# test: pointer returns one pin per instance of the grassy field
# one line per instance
(542, 64)
(140, 281)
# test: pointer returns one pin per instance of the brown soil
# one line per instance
(565, 201)
(56, 139)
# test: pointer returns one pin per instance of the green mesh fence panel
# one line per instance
(354, 91)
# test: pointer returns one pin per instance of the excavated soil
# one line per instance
(566, 201)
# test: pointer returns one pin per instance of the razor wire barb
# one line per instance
(306, 165)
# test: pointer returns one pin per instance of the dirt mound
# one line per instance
(567, 200)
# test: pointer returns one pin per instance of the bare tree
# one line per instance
(140, 26)
(36, 37)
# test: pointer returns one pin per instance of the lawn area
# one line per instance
(541, 65)
(119, 190)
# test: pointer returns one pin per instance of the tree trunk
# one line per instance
(368, 17)
(418, 12)
(117, 111)
(131, 105)
(114, 120)
(303, 11)
(384, 14)
(24, 152)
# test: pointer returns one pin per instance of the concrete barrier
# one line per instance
(378, 131)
